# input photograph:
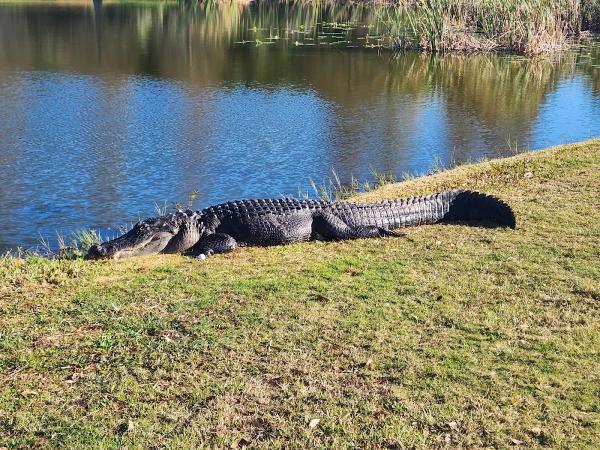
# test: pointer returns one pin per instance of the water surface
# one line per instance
(107, 111)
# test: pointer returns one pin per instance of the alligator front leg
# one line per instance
(214, 243)
(332, 228)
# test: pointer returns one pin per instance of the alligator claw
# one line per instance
(391, 233)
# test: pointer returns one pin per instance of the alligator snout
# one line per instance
(96, 251)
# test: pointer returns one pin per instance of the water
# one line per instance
(106, 112)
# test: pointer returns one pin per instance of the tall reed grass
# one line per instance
(524, 26)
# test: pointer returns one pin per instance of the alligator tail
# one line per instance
(475, 206)
(445, 207)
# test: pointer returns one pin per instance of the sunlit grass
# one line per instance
(455, 336)
(333, 188)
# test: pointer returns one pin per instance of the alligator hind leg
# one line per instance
(214, 243)
(332, 228)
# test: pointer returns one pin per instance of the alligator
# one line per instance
(222, 228)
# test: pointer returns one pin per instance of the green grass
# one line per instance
(451, 337)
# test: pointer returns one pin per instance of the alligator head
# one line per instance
(171, 233)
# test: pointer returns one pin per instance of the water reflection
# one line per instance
(105, 111)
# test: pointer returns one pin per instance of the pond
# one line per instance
(108, 110)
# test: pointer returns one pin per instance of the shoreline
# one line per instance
(453, 335)
(387, 188)
(527, 28)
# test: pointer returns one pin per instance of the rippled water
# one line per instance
(107, 111)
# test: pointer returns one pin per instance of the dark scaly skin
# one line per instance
(221, 228)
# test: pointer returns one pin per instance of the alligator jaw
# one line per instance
(171, 233)
(120, 248)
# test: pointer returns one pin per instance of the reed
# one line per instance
(530, 27)
(523, 26)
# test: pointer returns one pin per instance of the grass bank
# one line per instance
(453, 336)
